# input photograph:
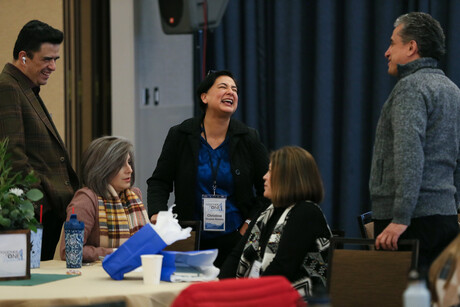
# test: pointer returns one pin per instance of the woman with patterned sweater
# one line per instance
(291, 237)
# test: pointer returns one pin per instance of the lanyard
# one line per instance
(214, 173)
(213, 170)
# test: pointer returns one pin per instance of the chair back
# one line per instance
(364, 277)
(192, 243)
(338, 233)
(366, 225)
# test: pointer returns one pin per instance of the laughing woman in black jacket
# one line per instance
(215, 166)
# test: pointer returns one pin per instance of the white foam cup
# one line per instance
(151, 268)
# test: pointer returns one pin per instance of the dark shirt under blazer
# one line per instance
(178, 163)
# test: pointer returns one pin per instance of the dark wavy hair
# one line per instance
(33, 35)
(208, 82)
(426, 31)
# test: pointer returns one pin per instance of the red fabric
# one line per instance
(266, 291)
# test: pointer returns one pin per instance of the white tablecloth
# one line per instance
(92, 287)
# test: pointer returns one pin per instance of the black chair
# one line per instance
(368, 277)
(190, 244)
(366, 225)
(338, 233)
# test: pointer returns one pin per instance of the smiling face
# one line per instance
(39, 68)
(222, 96)
(399, 52)
(122, 180)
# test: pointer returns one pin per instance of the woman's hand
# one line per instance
(153, 219)
(243, 228)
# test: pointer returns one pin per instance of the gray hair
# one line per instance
(426, 31)
(102, 160)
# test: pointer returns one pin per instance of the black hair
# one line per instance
(425, 30)
(208, 82)
(33, 35)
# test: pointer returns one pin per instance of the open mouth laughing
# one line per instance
(228, 102)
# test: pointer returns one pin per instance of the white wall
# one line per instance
(14, 14)
(143, 57)
(123, 71)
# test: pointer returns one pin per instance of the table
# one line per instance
(94, 286)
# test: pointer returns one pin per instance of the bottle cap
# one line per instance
(414, 275)
(74, 223)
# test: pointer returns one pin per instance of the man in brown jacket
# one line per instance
(34, 142)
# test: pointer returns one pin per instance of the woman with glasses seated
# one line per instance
(110, 207)
(214, 164)
(291, 237)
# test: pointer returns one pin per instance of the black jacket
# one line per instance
(177, 166)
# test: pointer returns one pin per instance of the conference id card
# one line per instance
(214, 212)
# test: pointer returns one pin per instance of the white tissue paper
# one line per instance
(168, 228)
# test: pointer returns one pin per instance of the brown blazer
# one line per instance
(35, 144)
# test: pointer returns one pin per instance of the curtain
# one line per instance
(313, 74)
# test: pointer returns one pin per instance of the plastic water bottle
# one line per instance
(74, 232)
(416, 294)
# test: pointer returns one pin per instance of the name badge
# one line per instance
(214, 212)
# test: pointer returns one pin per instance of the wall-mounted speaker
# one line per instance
(188, 16)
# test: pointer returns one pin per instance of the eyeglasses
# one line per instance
(211, 72)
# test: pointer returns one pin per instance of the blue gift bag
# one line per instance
(128, 256)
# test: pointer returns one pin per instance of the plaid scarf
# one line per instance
(120, 218)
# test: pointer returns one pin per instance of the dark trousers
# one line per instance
(224, 244)
(52, 226)
(433, 232)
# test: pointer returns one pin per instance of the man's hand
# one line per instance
(388, 239)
